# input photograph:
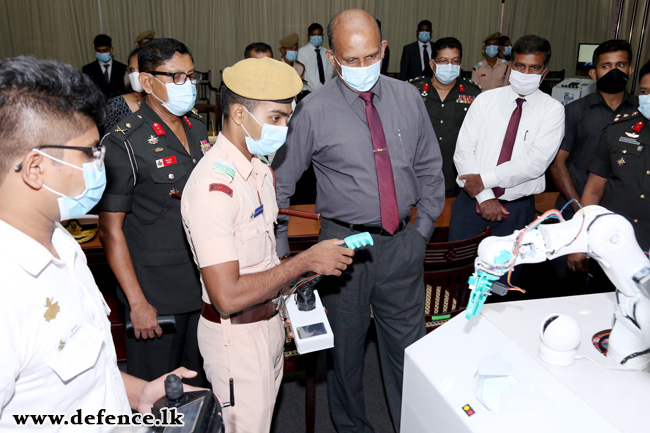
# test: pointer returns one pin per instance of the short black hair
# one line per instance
(228, 98)
(443, 43)
(645, 70)
(314, 26)
(258, 47)
(533, 44)
(43, 102)
(330, 31)
(425, 23)
(503, 39)
(103, 41)
(157, 51)
(611, 46)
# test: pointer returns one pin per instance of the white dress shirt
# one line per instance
(57, 350)
(103, 65)
(539, 135)
(307, 56)
(421, 46)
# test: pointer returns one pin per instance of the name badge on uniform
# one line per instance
(257, 212)
(164, 162)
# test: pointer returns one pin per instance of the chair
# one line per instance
(293, 361)
(552, 79)
(203, 101)
(447, 266)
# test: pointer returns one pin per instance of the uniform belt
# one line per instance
(253, 314)
(372, 229)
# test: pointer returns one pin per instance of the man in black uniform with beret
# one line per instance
(149, 157)
(447, 98)
(619, 177)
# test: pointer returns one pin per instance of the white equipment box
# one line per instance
(572, 89)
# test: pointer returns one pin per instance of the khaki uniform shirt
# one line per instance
(491, 78)
(229, 210)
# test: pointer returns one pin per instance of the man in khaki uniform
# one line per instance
(492, 72)
(229, 209)
(289, 49)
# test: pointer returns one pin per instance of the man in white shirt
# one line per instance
(508, 139)
(318, 69)
(58, 355)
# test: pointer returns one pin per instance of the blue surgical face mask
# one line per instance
(644, 105)
(424, 37)
(291, 56)
(271, 139)
(95, 180)
(103, 57)
(507, 50)
(447, 73)
(180, 99)
(316, 41)
(492, 50)
(360, 79)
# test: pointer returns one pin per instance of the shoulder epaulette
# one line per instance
(471, 83)
(478, 65)
(504, 61)
(413, 80)
(126, 126)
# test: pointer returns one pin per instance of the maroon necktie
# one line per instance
(106, 73)
(509, 141)
(387, 196)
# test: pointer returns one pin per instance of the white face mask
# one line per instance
(135, 82)
(524, 84)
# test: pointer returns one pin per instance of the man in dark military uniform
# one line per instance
(619, 177)
(149, 157)
(447, 98)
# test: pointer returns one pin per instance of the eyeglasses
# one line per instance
(94, 153)
(443, 61)
(179, 78)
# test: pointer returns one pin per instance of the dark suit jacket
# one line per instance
(96, 73)
(411, 64)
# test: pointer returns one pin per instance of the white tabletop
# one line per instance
(587, 396)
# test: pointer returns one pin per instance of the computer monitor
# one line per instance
(585, 56)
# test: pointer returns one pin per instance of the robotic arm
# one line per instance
(605, 236)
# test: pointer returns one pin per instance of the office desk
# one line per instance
(585, 397)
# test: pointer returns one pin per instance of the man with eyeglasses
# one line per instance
(508, 139)
(149, 157)
(58, 355)
(447, 98)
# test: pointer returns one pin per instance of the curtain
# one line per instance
(217, 31)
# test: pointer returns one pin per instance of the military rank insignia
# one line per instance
(637, 127)
(223, 166)
(220, 187)
(205, 146)
(189, 124)
(52, 309)
(425, 90)
(461, 88)
(465, 99)
(158, 129)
